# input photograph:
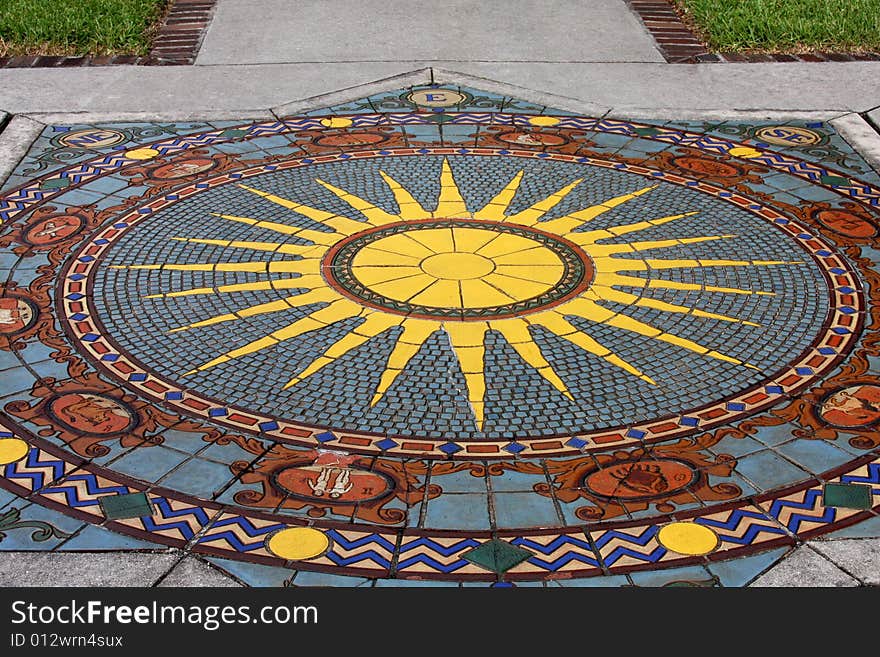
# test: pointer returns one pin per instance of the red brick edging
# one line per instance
(177, 42)
(679, 45)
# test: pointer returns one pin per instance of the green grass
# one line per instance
(786, 25)
(78, 27)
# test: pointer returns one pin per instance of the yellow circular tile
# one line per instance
(744, 152)
(141, 153)
(457, 266)
(543, 120)
(12, 450)
(688, 538)
(298, 543)
(336, 122)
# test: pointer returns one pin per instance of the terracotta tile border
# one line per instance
(176, 43)
(679, 45)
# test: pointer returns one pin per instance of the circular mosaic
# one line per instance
(404, 301)
(444, 343)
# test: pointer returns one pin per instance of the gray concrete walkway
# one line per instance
(754, 87)
(260, 54)
(319, 32)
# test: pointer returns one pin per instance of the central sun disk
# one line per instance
(457, 266)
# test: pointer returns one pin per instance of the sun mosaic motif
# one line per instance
(460, 272)
(652, 299)
(440, 334)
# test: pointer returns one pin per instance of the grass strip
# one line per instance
(785, 26)
(78, 27)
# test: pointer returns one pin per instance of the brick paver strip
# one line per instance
(176, 43)
(679, 45)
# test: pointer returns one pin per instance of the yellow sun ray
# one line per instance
(404, 268)
(467, 340)
(310, 282)
(606, 293)
(415, 333)
(602, 250)
(554, 322)
(253, 267)
(571, 221)
(335, 311)
(269, 247)
(450, 203)
(496, 209)
(338, 223)
(534, 213)
(316, 236)
(295, 301)
(592, 236)
(590, 310)
(375, 215)
(624, 264)
(659, 283)
(408, 207)
(516, 332)
(375, 322)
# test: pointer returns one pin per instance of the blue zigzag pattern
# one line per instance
(577, 122)
(432, 563)
(362, 121)
(247, 527)
(643, 539)
(303, 124)
(38, 479)
(20, 200)
(732, 523)
(92, 488)
(615, 127)
(555, 544)
(474, 119)
(872, 478)
(446, 551)
(343, 542)
(151, 525)
(697, 141)
(653, 557)
(261, 129)
(406, 119)
(503, 119)
(622, 551)
(368, 555)
(811, 501)
(95, 168)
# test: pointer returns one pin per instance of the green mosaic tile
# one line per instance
(847, 496)
(497, 555)
(120, 507)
